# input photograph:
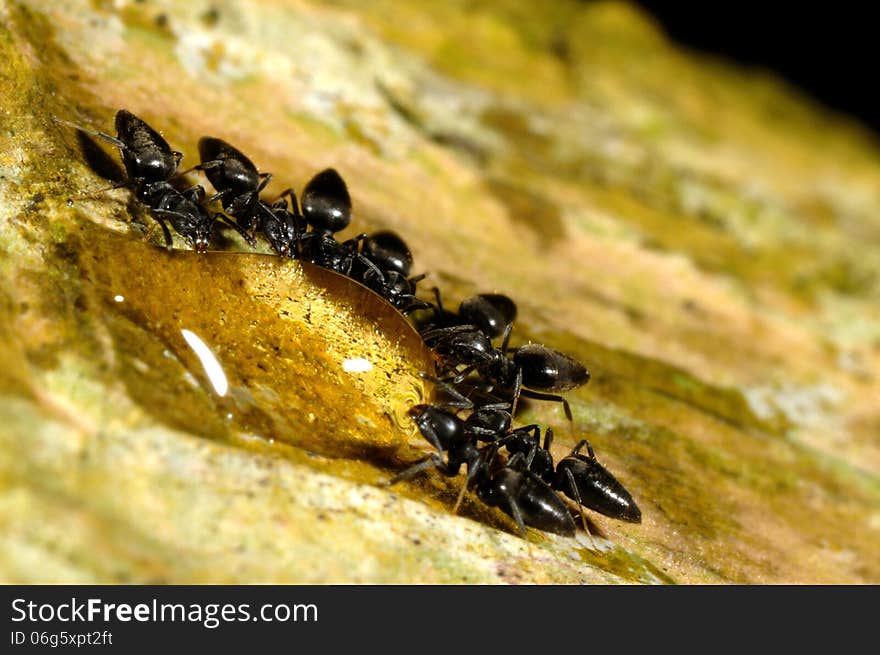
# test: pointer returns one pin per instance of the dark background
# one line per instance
(828, 50)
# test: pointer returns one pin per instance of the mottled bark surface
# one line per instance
(703, 238)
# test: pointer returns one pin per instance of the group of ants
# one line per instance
(476, 376)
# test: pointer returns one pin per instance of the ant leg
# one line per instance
(439, 304)
(265, 178)
(528, 393)
(169, 242)
(495, 406)
(431, 461)
(450, 331)
(581, 444)
(92, 194)
(534, 428)
(268, 209)
(463, 374)
(458, 500)
(101, 135)
(461, 401)
(471, 474)
(204, 166)
(371, 267)
(415, 305)
(415, 279)
(548, 439)
(572, 485)
(474, 469)
(280, 205)
(531, 456)
(223, 218)
(355, 242)
(514, 461)
(503, 441)
(243, 206)
(517, 386)
(516, 513)
(505, 340)
(195, 193)
(289, 193)
(218, 196)
(269, 216)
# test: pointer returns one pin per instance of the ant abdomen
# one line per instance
(549, 370)
(325, 202)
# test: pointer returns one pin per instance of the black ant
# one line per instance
(582, 478)
(326, 207)
(579, 477)
(532, 366)
(149, 164)
(513, 488)
(238, 184)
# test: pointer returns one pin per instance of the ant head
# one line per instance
(326, 204)
(201, 236)
(437, 425)
(278, 234)
(416, 411)
(201, 242)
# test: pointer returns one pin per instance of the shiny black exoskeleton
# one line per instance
(532, 370)
(388, 251)
(149, 164)
(490, 313)
(238, 185)
(513, 488)
(392, 258)
(583, 479)
(448, 434)
(524, 496)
